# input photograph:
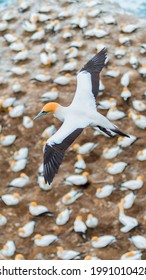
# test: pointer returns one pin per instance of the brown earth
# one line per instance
(105, 209)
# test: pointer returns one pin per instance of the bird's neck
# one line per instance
(59, 112)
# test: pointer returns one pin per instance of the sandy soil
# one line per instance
(105, 209)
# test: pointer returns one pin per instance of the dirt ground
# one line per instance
(104, 209)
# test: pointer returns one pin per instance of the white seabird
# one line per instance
(80, 114)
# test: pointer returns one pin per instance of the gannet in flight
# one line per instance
(82, 112)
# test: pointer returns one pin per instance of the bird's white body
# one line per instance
(79, 166)
(112, 152)
(107, 103)
(128, 222)
(43, 185)
(68, 254)
(141, 155)
(10, 199)
(76, 180)
(17, 111)
(49, 95)
(125, 80)
(45, 240)
(128, 200)
(27, 229)
(124, 142)
(21, 153)
(8, 249)
(103, 241)
(116, 168)
(27, 122)
(38, 35)
(63, 217)
(139, 105)
(22, 55)
(7, 140)
(91, 221)
(17, 46)
(132, 184)
(132, 255)
(3, 220)
(114, 114)
(37, 210)
(8, 102)
(18, 165)
(104, 191)
(139, 241)
(18, 70)
(126, 93)
(79, 226)
(71, 197)
(20, 182)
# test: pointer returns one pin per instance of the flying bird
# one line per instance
(82, 112)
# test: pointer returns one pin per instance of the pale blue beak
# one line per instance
(40, 115)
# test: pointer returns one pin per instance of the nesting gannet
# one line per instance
(129, 28)
(42, 77)
(142, 71)
(139, 120)
(76, 116)
(44, 8)
(143, 48)
(48, 59)
(128, 222)
(93, 12)
(124, 142)
(102, 241)
(139, 241)
(11, 199)
(7, 140)
(112, 152)
(27, 122)
(67, 34)
(21, 153)
(133, 61)
(109, 19)
(128, 200)
(139, 105)
(124, 40)
(80, 164)
(71, 197)
(23, 6)
(63, 217)
(77, 43)
(126, 93)
(107, 103)
(10, 38)
(27, 229)
(113, 73)
(63, 80)
(85, 148)
(17, 111)
(77, 180)
(114, 114)
(79, 226)
(50, 47)
(37, 210)
(96, 32)
(49, 131)
(141, 155)
(116, 168)
(50, 95)
(120, 52)
(8, 249)
(125, 80)
(3, 25)
(71, 53)
(8, 15)
(44, 240)
(91, 221)
(18, 165)
(133, 184)
(43, 185)
(19, 182)
(38, 35)
(67, 254)
(17, 46)
(64, 13)
(29, 26)
(3, 220)
(19, 70)
(70, 66)
(132, 255)
(21, 56)
(89, 257)
(104, 191)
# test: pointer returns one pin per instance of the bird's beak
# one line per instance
(40, 115)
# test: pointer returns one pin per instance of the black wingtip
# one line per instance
(119, 132)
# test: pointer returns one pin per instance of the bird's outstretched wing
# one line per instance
(55, 149)
(88, 79)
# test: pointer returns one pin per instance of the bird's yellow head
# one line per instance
(49, 107)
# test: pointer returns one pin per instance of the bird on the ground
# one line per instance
(11, 199)
(128, 222)
(27, 229)
(38, 210)
(91, 221)
(126, 93)
(8, 249)
(102, 241)
(19, 182)
(3, 220)
(132, 255)
(104, 191)
(141, 155)
(139, 105)
(44, 240)
(71, 197)
(112, 152)
(50, 95)
(63, 217)
(85, 148)
(124, 142)
(79, 165)
(139, 241)
(21, 153)
(133, 184)
(128, 200)
(77, 179)
(67, 254)
(75, 117)
(7, 140)
(80, 227)
(116, 168)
